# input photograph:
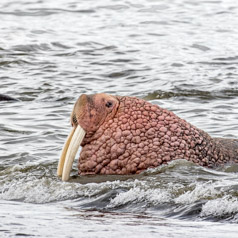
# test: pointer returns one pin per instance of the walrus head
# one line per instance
(126, 135)
(89, 113)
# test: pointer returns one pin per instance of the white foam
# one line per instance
(44, 190)
(200, 191)
(137, 194)
(226, 205)
(18, 168)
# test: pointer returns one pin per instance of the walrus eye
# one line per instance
(109, 104)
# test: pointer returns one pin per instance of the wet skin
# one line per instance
(126, 135)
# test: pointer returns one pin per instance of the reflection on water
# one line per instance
(180, 55)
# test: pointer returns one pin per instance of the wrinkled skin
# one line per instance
(126, 135)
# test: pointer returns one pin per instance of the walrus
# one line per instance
(127, 135)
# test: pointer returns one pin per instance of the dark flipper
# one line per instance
(7, 98)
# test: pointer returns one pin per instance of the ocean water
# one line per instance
(179, 54)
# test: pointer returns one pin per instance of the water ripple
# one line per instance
(180, 55)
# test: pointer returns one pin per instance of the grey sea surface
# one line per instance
(179, 54)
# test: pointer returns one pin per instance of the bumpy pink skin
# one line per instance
(134, 135)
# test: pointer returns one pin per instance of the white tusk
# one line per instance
(63, 153)
(76, 141)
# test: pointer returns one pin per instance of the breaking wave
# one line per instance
(179, 189)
